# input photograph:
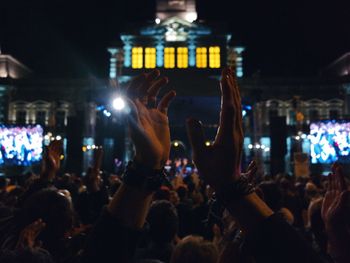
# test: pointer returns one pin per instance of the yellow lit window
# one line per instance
(150, 57)
(137, 57)
(182, 57)
(169, 57)
(201, 57)
(214, 57)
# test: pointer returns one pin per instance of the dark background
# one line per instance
(69, 38)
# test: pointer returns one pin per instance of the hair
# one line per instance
(162, 194)
(317, 226)
(163, 221)
(182, 191)
(193, 249)
(53, 208)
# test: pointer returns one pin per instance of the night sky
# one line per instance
(69, 38)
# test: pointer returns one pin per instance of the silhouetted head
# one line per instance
(193, 249)
(163, 221)
(53, 208)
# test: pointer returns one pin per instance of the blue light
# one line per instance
(107, 113)
(192, 55)
(127, 55)
(160, 51)
(99, 108)
(239, 72)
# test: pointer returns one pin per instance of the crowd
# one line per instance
(172, 211)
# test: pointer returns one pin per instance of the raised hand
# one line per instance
(92, 177)
(336, 215)
(251, 171)
(148, 121)
(219, 163)
(98, 156)
(52, 159)
(28, 236)
(335, 207)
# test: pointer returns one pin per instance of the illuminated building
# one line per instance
(191, 53)
(175, 41)
(187, 50)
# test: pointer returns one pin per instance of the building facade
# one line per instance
(191, 53)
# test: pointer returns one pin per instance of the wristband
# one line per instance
(143, 177)
(234, 191)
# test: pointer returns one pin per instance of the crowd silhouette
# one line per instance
(213, 213)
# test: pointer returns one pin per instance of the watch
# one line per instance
(143, 177)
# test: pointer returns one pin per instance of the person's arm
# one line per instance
(114, 237)
(219, 166)
(93, 174)
(51, 161)
(336, 214)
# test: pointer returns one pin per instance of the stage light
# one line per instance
(207, 143)
(190, 17)
(176, 144)
(58, 138)
(118, 104)
(157, 21)
(107, 113)
(250, 146)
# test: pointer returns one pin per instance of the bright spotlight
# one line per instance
(176, 144)
(207, 143)
(157, 21)
(190, 17)
(119, 104)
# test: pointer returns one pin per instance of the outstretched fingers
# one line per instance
(143, 89)
(237, 100)
(153, 91)
(227, 109)
(165, 101)
(252, 169)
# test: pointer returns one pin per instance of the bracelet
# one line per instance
(143, 177)
(234, 191)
